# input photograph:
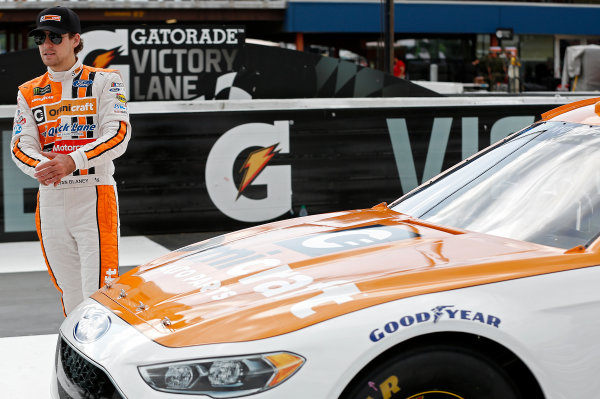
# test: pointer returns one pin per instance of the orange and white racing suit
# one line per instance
(81, 112)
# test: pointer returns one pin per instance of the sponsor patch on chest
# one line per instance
(68, 146)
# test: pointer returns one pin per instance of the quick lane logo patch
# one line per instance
(338, 241)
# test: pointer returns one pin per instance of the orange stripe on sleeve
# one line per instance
(21, 156)
(108, 145)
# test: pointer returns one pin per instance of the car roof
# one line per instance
(584, 112)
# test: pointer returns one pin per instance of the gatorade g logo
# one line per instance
(219, 171)
(108, 49)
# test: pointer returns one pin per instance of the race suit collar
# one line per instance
(65, 75)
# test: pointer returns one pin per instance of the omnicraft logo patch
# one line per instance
(70, 107)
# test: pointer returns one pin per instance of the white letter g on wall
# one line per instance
(278, 178)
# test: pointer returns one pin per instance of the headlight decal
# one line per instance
(225, 377)
(93, 324)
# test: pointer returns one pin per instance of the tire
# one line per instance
(433, 372)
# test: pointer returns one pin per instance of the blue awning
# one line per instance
(439, 18)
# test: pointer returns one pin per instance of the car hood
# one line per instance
(284, 276)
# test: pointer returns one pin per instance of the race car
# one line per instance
(482, 283)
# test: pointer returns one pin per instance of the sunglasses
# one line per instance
(40, 38)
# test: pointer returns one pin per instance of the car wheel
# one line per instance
(433, 372)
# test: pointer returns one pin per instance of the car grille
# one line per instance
(80, 378)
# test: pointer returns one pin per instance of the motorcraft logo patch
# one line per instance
(68, 146)
(435, 315)
(40, 91)
(70, 107)
(345, 240)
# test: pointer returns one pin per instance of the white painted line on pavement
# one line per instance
(138, 250)
(21, 257)
(26, 366)
(18, 257)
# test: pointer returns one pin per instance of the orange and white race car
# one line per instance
(480, 284)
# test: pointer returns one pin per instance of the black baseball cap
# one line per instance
(58, 20)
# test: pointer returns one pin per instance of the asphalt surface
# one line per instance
(30, 304)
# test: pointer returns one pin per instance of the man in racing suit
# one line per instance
(69, 125)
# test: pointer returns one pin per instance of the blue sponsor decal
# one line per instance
(436, 314)
(69, 129)
(17, 129)
(345, 240)
(82, 83)
(115, 89)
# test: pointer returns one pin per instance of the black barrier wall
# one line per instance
(230, 165)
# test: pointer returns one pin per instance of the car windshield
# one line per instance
(541, 185)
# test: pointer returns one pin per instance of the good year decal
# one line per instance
(436, 314)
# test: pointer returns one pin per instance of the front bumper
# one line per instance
(78, 377)
(108, 368)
